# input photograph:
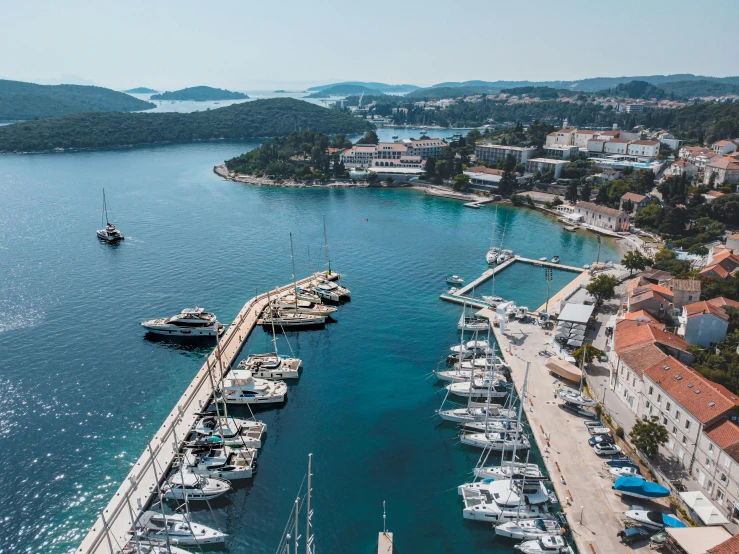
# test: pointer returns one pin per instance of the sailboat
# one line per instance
(177, 529)
(289, 543)
(492, 256)
(109, 233)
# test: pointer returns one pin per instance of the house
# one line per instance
(711, 195)
(616, 146)
(484, 178)
(563, 136)
(546, 164)
(684, 291)
(732, 243)
(679, 168)
(685, 402)
(716, 467)
(640, 315)
(644, 149)
(656, 276)
(582, 136)
(723, 170)
(724, 147)
(602, 216)
(655, 299)
(493, 152)
(721, 266)
(704, 323)
(669, 140)
(637, 200)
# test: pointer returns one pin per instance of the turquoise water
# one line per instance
(82, 387)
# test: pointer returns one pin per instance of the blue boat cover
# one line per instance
(642, 487)
(671, 521)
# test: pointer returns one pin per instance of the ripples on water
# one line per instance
(81, 388)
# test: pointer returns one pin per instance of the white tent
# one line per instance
(697, 540)
(703, 508)
(576, 313)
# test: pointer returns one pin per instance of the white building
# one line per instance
(617, 146)
(359, 155)
(602, 216)
(562, 137)
(546, 164)
(493, 152)
(644, 149)
(683, 167)
(426, 148)
(724, 147)
(716, 467)
(561, 151)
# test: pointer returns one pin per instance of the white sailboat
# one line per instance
(177, 530)
(232, 431)
(182, 485)
(488, 387)
(548, 544)
(109, 232)
(221, 462)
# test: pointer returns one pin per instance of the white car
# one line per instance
(606, 449)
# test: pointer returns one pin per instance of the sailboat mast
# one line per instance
(325, 246)
(520, 410)
(215, 401)
(223, 388)
(309, 514)
(295, 278)
(297, 520)
(582, 365)
(272, 321)
(105, 210)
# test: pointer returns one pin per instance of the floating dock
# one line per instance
(112, 530)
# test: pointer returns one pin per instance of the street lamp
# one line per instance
(548, 278)
(582, 508)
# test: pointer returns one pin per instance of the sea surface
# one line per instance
(81, 387)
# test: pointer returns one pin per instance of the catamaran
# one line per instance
(222, 462)
(109, 233)
(503, 500)
(232, 431)
(240, 387)
(272, 366)
(511, 470)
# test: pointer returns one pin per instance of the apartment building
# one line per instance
(723, 169)
(644, 148)
(426, 148)
(716, 466)
(494, 152)
(546, 164)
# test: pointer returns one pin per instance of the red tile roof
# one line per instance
(730, 546)
(646, 142)
(691, 390)
(483, 169)
(633, 196)
(632, 334)
(703, 308)
(723, 301)
(724, 264)
(641, 358)
(724, 433)
(639, 314)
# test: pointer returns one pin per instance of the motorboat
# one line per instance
(543, 259)
(302, 294)
(479, 388)
(454, 280)
(499, 442)
(501, 501)
(189, 486)
(290, 319)
(395, 137)
(638, 487)
(511, 470)
(221, 462)
(476, 411)
(453, 290)
(272, 366)
(625, 471)
(240, 387)
(303, 307)
(109, 233)
(493, 299)
(555, 260)
(328, 290)
(177, 530)
(232, 431)
(654, 519)
(528, 529)
(492, 256)
(504, 255)
(548, 544)
(473, 323)
(190, 322)
(574, 397)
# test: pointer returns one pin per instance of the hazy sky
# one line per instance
(249, 44)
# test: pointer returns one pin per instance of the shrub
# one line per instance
(620, 432)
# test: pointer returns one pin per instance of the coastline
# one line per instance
(222, 171)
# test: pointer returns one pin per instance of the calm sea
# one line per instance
(81, 388)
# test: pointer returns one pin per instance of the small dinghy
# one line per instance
(574, 397)
(454, 280)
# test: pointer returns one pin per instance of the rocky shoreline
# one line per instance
(222, 171)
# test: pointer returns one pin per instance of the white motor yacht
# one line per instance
(574, 397)
(476, 411)
(240, 387)
(232, 431)
(454, 280)
(290, 319)
(221, 462)
(499, 442)
(492, 256)
(479, 388)
(184, 485)
(509, 491)
(555, 260)
(548, 544)
(501, 501)
(511, 470)
(528, 529)
(272, 366)
(191, 322)
(177, 529)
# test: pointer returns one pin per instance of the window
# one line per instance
(727, 462)
(677, 415)
(664, 420)
(708, 463)
(687, 424)
(674, 430)
(667, 407)
(648, 406)
(719, 495)
(651, 390)
(723, 478)
(659, 399)
(709, 486)
(685, 439)
(710, 447)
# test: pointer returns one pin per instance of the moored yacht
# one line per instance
(528, 529)
(460, 375)
(328, 290)
(500, 442)
(479, 388)
(476, 411)
(500, 501)
(240, 387)
(231, 431)
(287, 319)
(184, 485)
(548, 544)
(304, 307)
(221, 462)
(190, 322)
(511, 470)
(272, 366)
(492, 256)
(177, 529)
(493, 425)
(473, 323)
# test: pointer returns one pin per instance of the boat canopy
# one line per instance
(564, 369)
(697, 540)
(637, 486)
(703, 508)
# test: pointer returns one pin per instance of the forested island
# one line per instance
(24, 101)
(272, 117)
(343, 90)
(200, 94)
(140, 90)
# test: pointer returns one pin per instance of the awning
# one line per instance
(576, 313)
(697, 540)
(564, 369)
(703, 508)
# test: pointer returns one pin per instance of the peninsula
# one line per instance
(272, 117)
(22, 101)
(140, 90)
(200, 94)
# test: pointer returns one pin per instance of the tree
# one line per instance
(461, 182)
(602, 197)
(572, 192)
(602, 287)
(585, 192)
(627, 206)
(674, 222)
(372, 177)
(649, 435)
(430, 167)
(508, 179)
(635, 260)
(370, 137)
(590, 352)
(650, 217)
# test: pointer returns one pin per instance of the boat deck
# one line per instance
(111, 531)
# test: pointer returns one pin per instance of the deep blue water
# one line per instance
(81, 388)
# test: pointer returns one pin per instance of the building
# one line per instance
(495, 152)
(616, 146)
(562, 137)
(721, 266)
(644, 149)
(711, 195)
(684, 291)
(651, 298)
(679, 168)
(363, 155)
(485, 178)
(732, 243)
(581, 137)
(426, 148)
(704, 323)
(723, 170)
(724, 147)
(637, 200)
(359, 155)
(602, 216)
(669, 140)
(546, 164)
(562, 151)
(640, 315)
(390, 150)
(405, 161)
(630, 108)
(716, 467)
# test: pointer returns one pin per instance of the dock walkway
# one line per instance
(111, 531)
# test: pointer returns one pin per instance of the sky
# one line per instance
(292, 44)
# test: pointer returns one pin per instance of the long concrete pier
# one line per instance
(112, 530)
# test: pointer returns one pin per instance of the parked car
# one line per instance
(600, 439)
(607, 449)
(633, 534)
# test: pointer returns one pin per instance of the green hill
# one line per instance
(200, 94)
(140, 90)
(22, 101)
(636, 89)
(381, 87)
(692, 89)
(344, 90)
(259, 119)
(436, 93)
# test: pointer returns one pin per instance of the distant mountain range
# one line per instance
(140, 90)
(200, 94)
(21, 101)
(375, 87)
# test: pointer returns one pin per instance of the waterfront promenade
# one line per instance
(112, 530)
